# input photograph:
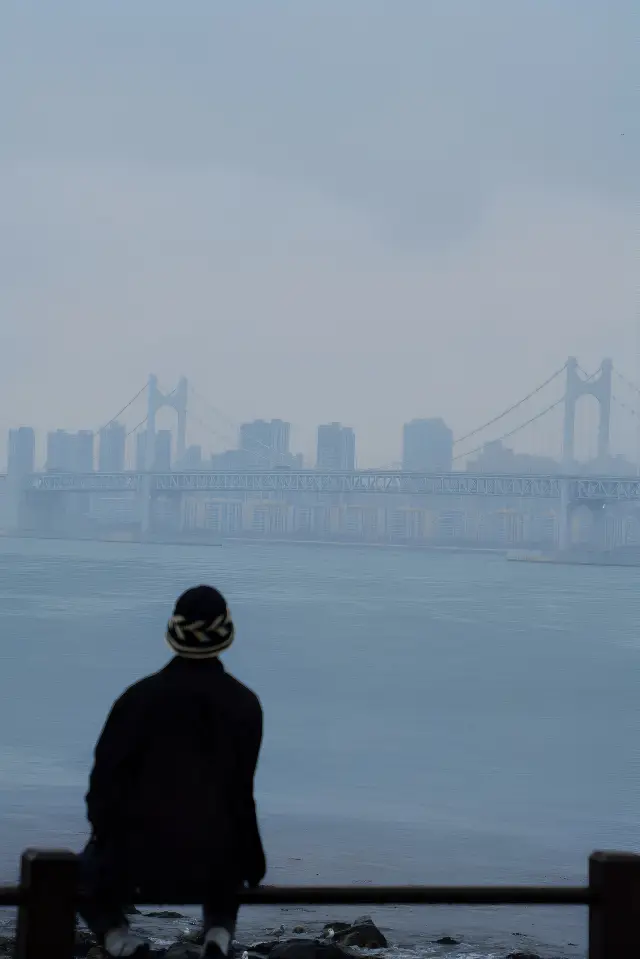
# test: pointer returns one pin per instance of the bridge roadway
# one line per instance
(574, 489)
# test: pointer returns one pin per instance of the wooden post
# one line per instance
(47, 920)
(614, 915)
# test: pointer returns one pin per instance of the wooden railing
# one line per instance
(47, 897)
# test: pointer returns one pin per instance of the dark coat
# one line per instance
(171, 790)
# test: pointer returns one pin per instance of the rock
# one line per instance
(183, 950)
(262, 948)
(165, 914)
(190, 936)
(364, 934)
(308, 949)
(448, 941)
(523, 955)
(298, 930)
(131, 911)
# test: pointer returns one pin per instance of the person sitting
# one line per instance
(171, 793)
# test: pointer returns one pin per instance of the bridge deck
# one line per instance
(574, 488)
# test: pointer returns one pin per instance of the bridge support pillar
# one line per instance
(145, 504)
(599, 527)
(564, 517)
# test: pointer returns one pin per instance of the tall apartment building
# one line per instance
(84, 451)
(266, 443)
(70, 452)
(21, 452)
(336, 447)
(111, 448)
(427, 446)
(141, 451)
(162, 451)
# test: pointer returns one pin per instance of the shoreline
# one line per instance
(257, 541)
(176, 932)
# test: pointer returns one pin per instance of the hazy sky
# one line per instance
(338, 209)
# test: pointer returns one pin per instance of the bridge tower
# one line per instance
(598, 385)
(156, 400)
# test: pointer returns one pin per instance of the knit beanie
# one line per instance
(201, 625)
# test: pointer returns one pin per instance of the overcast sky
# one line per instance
(315, 209)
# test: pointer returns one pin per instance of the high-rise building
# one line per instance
(70, 452)
(162, 451)
(266, 442)
(21, 454)
(60, 451)
(83, 453)
(427, 446)
(336, 447)
(141, 451)
(111, 448)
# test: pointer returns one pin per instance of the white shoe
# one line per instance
(216, 944)
(122, 942)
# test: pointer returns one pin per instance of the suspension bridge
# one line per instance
(568, 484)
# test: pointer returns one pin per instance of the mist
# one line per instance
(315, 212)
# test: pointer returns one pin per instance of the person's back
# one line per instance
(171, 791)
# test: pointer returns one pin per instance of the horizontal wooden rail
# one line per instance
(47, 899)
(412, 896)
(376, 896)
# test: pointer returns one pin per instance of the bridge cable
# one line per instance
(517, 429)
(628, 382)
(625, 406)
(510, 409)
(137, 427)
(124, 409)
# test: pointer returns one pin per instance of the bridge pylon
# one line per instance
(156, 400)
(598, 385)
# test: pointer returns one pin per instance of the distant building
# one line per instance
(336, 447)
(83, 452)
(162, 451)
(60, 451)
(111, 448)
(141, 451)
(229, 460)
(495, 457)
(192, 458)
(427, 446)
(266, 442)
(70, 452)
(21, 453)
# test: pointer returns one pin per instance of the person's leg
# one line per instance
(220, 913)
(100, 904)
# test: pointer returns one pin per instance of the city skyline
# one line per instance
(427, 443)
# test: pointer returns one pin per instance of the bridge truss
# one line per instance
(609, 489)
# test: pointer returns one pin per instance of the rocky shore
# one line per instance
(334, 940)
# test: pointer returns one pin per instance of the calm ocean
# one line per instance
(430, 717)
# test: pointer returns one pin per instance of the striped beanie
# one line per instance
(201, 625)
